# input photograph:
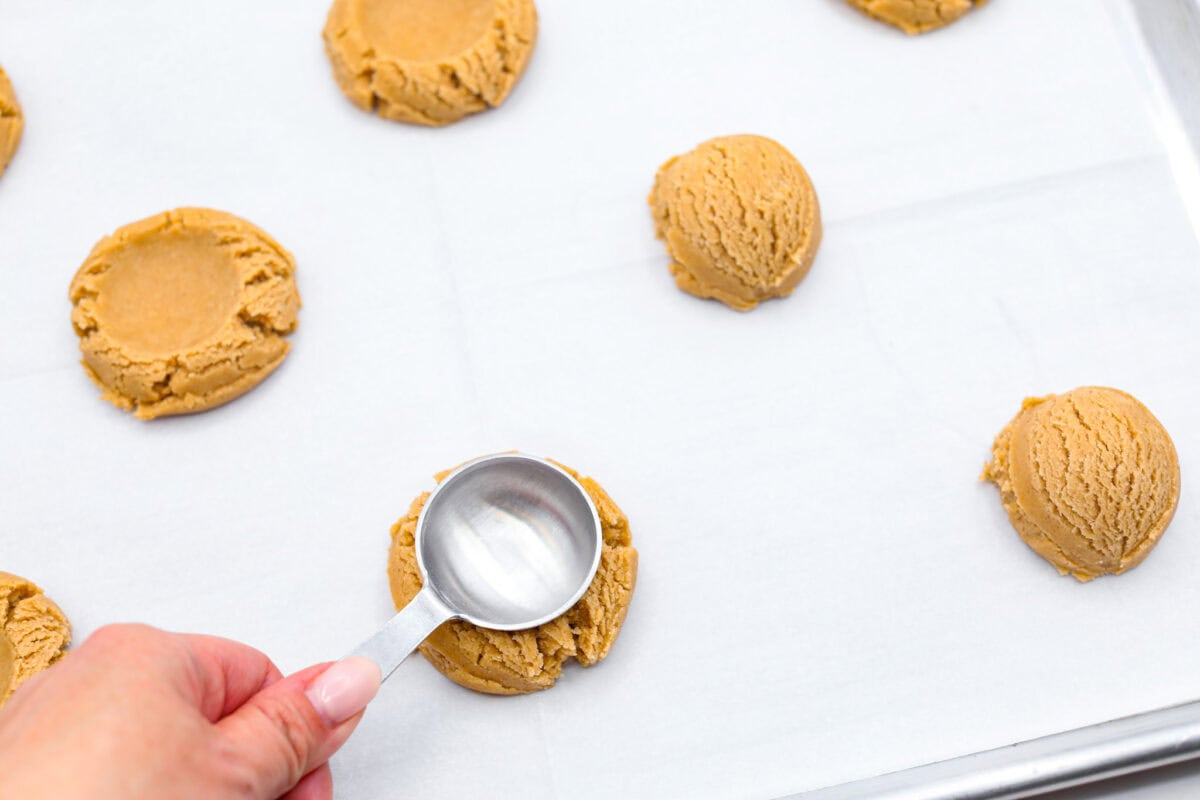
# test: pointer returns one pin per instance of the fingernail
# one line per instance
(344, 689)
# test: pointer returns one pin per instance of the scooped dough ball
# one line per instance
(183, 311)
(1089, 479)
(518, 662)
(740, 219)
(12, 121)
(34, 633)
(429, 62)
(916, 16)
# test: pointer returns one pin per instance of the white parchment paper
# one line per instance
(826, 590)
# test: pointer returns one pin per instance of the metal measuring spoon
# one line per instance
(507, 542)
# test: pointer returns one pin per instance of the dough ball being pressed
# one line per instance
(429, 62)
(518, 662)
(183, 311)
(12, 122)
(1089, 479)
(35, 633)
(740, 219)
(916, 16)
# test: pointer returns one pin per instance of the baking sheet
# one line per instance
(826, 591)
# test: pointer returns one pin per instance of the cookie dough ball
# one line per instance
(12, 122)
(1089, 479)
(740, 220)
(183, 311)
(429, 62)
(518, 662)
(35, 633)
(916, 16)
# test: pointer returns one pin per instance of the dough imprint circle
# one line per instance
(34, 633)
(183, 311)
(1089, 479)
(518, 662)
(12, 121)
(740, 219)
(429, 62)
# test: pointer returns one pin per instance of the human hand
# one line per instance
(139, 713)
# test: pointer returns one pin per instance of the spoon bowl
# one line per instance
(507, 542)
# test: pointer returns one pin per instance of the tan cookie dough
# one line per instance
(12, 122)
(916, 16)
(740, 219)
(183, 311)
(429, 62)
(1089, 479)
(35, 633)
(518, 662)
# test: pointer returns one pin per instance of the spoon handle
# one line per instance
(400, 635)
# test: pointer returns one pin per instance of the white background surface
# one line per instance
(826, 590)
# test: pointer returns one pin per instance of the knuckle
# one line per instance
(126, 639)
(292, 740)
(112, 636)
(238, 777)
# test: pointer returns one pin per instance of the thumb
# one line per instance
(293, 726)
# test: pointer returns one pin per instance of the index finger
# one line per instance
(227, 673)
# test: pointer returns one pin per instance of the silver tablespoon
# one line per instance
(507, 541)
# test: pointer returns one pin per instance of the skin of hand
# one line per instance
(139, 713)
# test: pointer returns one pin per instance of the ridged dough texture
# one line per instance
(12, 121)
(916, 16)
(34, 633)
(1089, 479)
(183, 311)
(740, 219)
(429, 62)
(518, 662)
